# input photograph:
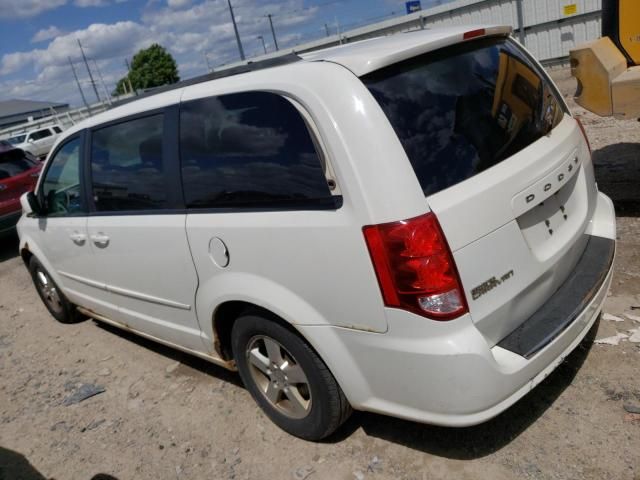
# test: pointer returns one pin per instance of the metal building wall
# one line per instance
(549, 28)
(550, 34)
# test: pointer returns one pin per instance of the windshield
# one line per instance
(17, 139)
(463, 109)
(14, 163)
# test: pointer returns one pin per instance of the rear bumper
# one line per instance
(8, 222)
(446, 373)
(564, 306)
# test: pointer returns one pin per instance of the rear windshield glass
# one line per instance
(14, 163)
(463, 109)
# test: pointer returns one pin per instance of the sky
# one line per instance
(37, 37)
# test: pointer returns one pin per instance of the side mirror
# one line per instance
(30, 204)
(31, 140)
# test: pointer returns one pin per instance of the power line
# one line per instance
(93, 82)
(104, 87)
(75, 75)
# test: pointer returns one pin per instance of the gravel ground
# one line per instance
(165, 415)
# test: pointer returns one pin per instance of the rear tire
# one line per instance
(58, 305)
(287, 378)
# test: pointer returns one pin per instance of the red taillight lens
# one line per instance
(415, 268)
(474, 33)
(584, 133)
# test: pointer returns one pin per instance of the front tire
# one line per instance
(51, 295)
(287, 378)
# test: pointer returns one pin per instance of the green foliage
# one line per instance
(151, 67)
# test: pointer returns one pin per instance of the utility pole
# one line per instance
(273, 32)
(93, 82)
(326, 28)
(131, 90)
(104, 87)
(235, 29)
(263, 44)
(75, 75)
(521, 35)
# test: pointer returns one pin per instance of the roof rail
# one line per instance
(228, 72)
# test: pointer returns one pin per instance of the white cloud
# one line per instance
(27, 8)
(16, 61)
(90, 3)
(99, 41)
(187, 29)
(178, 3)
(46, 34)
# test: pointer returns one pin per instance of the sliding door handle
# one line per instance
(100, 240)
(78, 238)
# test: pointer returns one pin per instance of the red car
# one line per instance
(19, 171)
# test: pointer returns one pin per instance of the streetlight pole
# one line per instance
(235, 29)
(263, 44)
(273, 32)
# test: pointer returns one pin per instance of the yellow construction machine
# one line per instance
(608, 69)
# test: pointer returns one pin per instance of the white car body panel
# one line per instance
(373, 54)
(155, 293)
(161, 275)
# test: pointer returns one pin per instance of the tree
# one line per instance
(151, 67)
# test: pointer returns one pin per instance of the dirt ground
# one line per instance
(165, 415)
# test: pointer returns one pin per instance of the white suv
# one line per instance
(38, 142)
(407, 225)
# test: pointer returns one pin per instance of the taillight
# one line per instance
(584, 133)
(415, 268)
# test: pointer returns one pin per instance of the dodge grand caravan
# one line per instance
(407, 225)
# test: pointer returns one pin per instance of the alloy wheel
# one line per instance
(279, 377)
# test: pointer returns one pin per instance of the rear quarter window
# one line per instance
(463, 109)
(249, 150)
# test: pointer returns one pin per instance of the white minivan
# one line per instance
(407, 225)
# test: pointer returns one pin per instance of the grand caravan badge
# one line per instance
(490, 284)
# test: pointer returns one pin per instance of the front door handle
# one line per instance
(78, 238)
(100, 240)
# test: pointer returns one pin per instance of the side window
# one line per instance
(248, 150)
(40, 134)
(61, 184)
(126, 166)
